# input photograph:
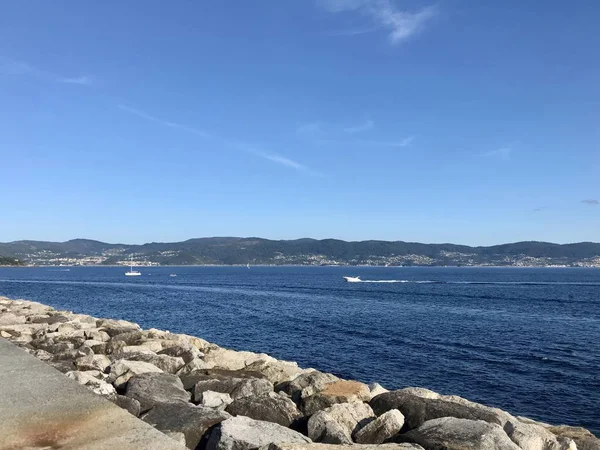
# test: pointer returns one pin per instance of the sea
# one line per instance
(526, 340)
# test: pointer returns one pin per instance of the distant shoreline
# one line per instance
(301, 265)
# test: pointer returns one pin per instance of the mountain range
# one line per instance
(237, 251)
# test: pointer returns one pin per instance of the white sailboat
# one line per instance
(248, 265)
(132, 273)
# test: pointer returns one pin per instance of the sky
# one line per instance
(432, 121)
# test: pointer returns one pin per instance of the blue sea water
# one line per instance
(524, 340)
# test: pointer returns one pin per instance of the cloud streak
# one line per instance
(136, 112)
(384, 14)
(20, 68)
(272, 157)
(500, 153)
(275, 158)
(591, 202)
(309, 128)
(366, 126)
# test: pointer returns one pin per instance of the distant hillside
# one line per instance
(233, 251)
(8, 261)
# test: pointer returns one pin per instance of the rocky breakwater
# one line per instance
(213, 398)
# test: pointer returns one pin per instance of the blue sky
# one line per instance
(432, 121)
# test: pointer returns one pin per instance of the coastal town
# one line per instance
(123, 257)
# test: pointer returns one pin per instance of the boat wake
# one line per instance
(490, 283)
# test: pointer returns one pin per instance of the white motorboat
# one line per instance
(353, 279)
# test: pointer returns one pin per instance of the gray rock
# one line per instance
(184, 351)
(192, 421)
(43, 355)
(269, 407)
(306, 384)
(132, 338)
(169, 364)
(243, 433)
(338, 423)
(93, 362)
(420, 405)
(122, 370)
(583, 438)
(127, 403)
(191, 367)
(223, 358)
(341, 447)
(218, 400)
(176, 436)
(341, 391)
(530, 436)
(450, 433)
(93, 380)
(64, 366)
(189, 379)
(116, 327)
(377, 389)
(152, 388)
(11, 319)
(235, 387)
(50, 319)
(275, 371)
(381, 429)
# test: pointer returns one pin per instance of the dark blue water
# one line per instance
(525, 340)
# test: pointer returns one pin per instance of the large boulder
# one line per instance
(338, 423)
(169, 364)
(9, 318)
(420, 405)
(93, 381)
(316, 446)
(583, 438)
(189, 379)
(192, 421)
(270, 407)
(92, 362)
(152, 388)
(115, 327)
(332, 393)
(122, 370)
(306, 384)
(223, 358)
(276, 371)
(381, 429)
(186, 352)
(129, 404)
(451, 433)
(530, 436)
(243, 433)
(235, 387)
(218, 400)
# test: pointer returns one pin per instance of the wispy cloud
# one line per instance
(85, 81)
(269, 156)
(275, 158)
(384, 14)
(20, 68)
(500, 153)
(406, 142)
(167, 123)
(365, 126)
(591, 202)
(309, 128)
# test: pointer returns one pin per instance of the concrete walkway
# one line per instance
(40, 408)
